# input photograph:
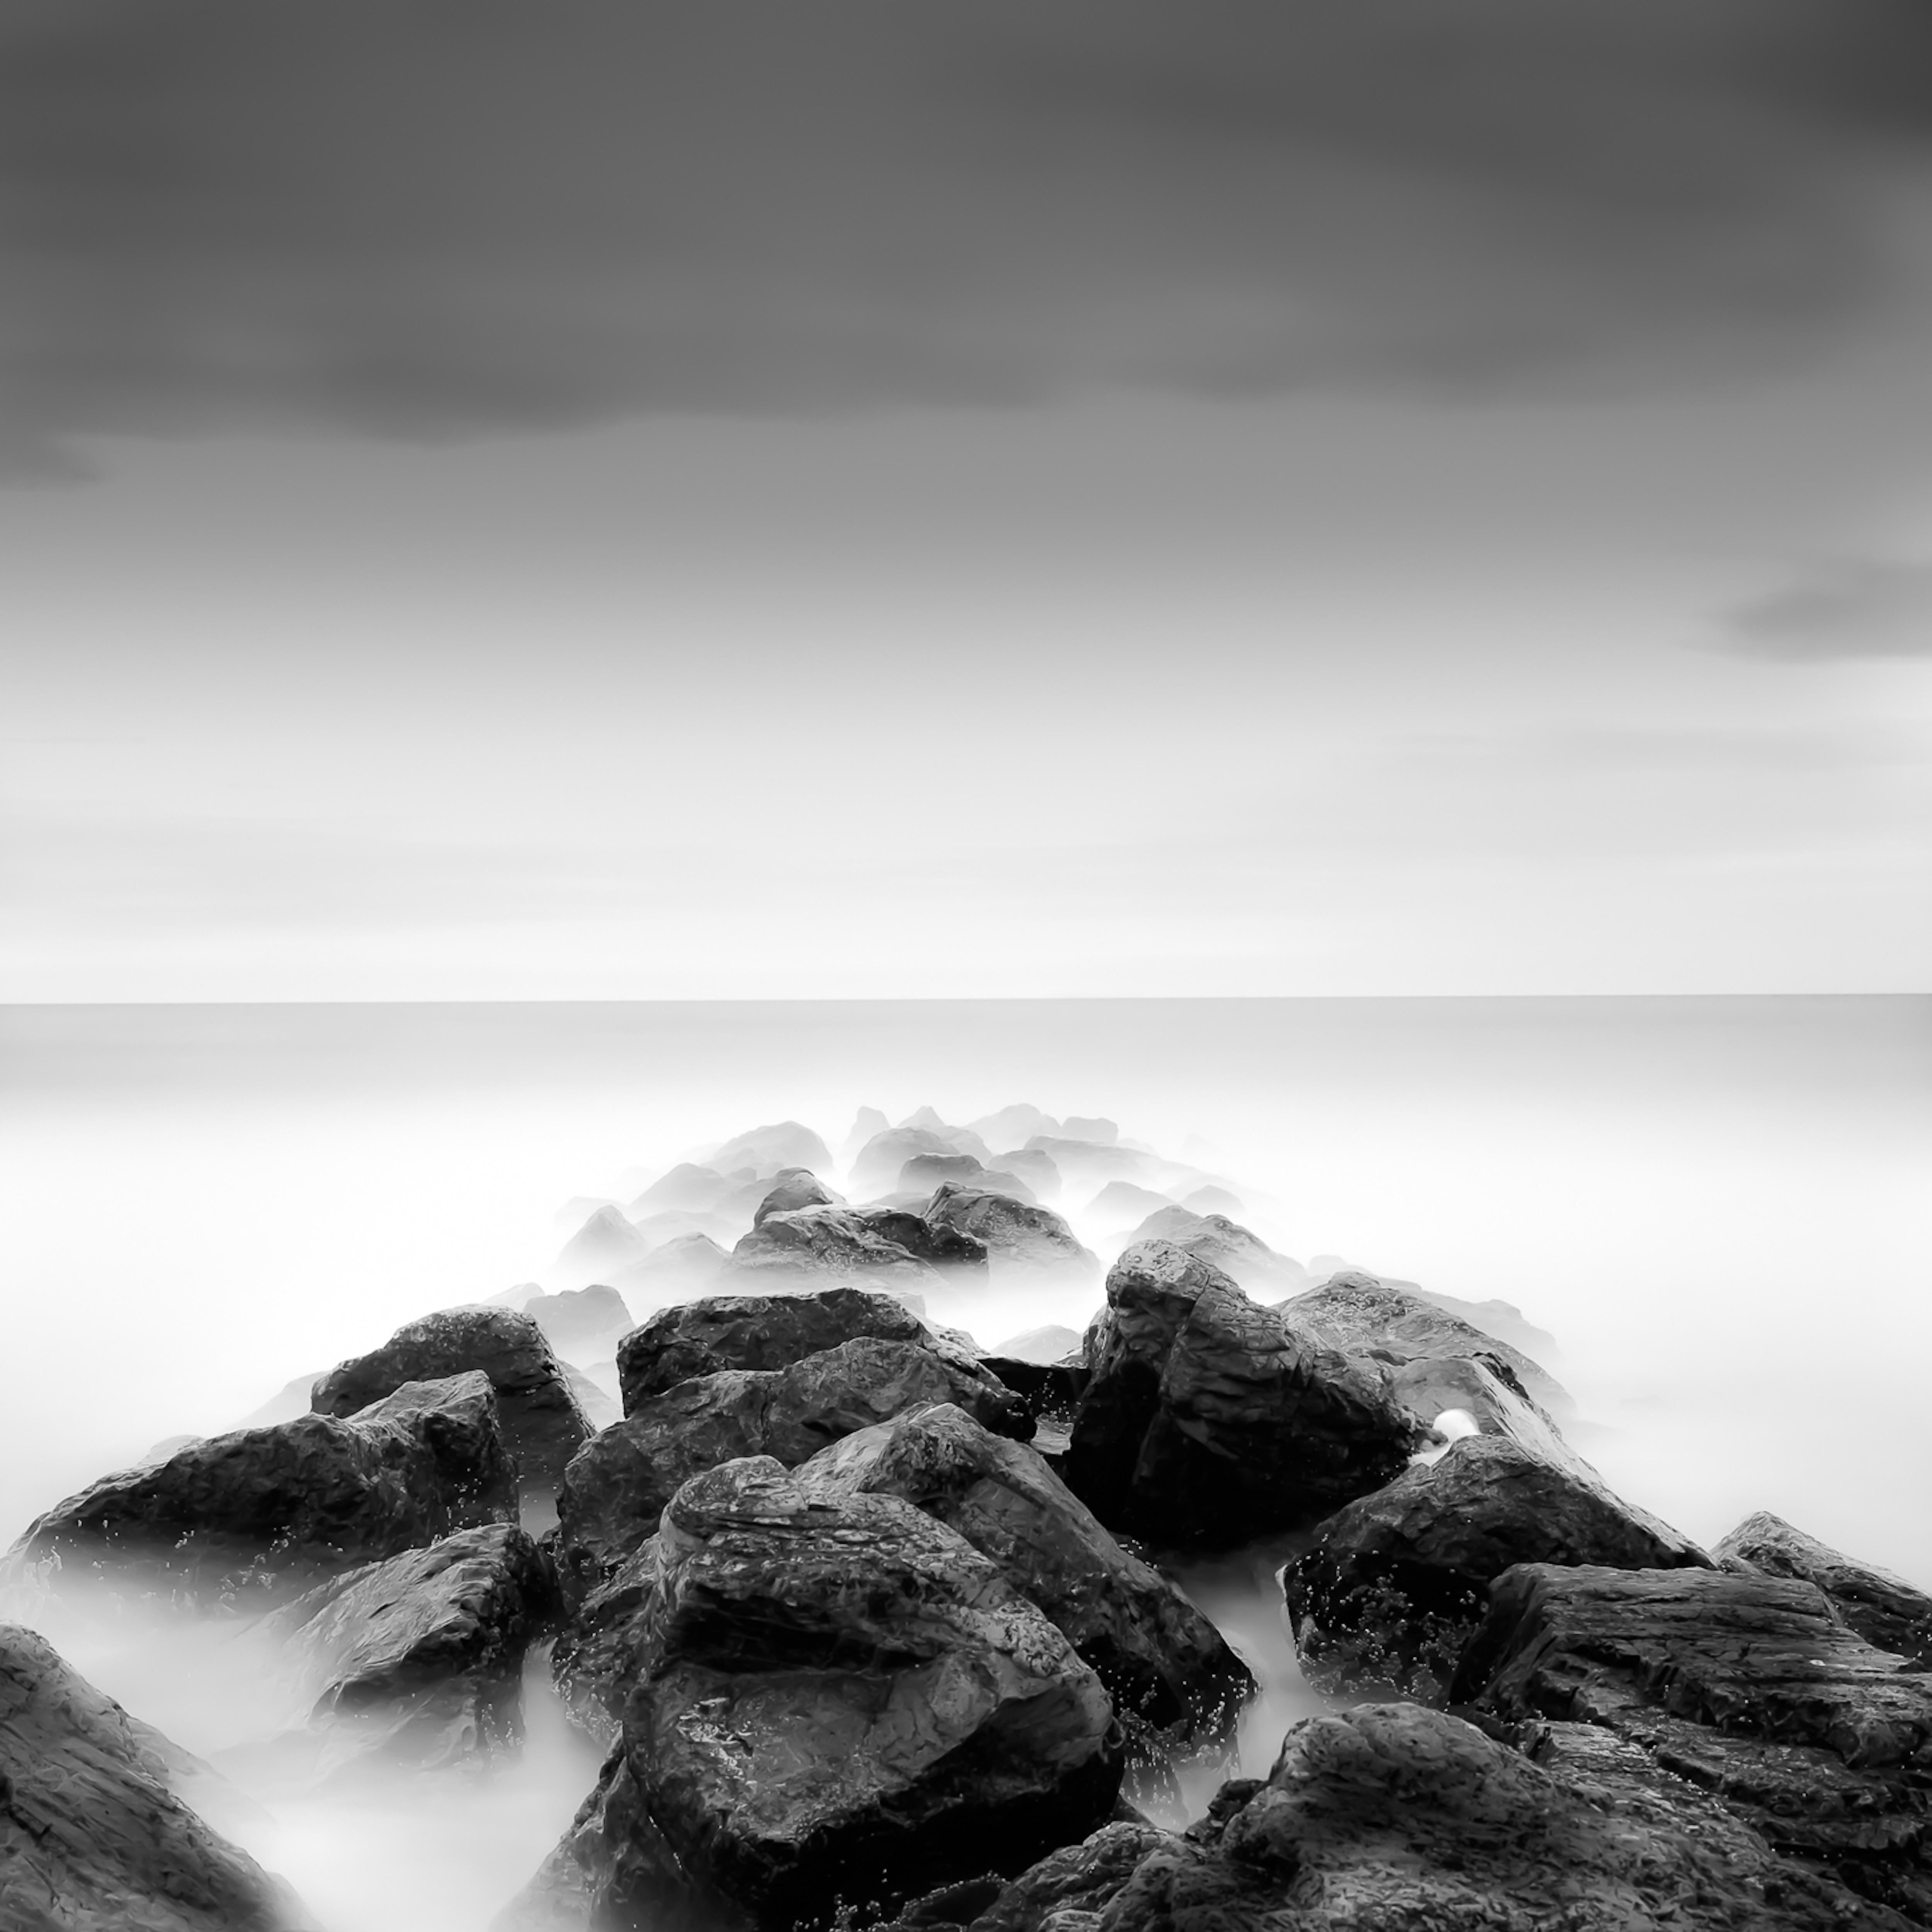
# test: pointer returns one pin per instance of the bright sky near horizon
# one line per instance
(659, 501)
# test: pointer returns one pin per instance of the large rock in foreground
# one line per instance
(1017, 1234)
(542, 1419)
(270, 1510)
(1748, 1686)
(1886, 1610)
(1208, 1419)
(842, 1704)
(1165, 1666)
(1396, 1583)
(92, 1839)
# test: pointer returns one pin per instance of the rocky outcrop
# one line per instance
(1240, 1254)
(754, 1331)
(1394, 1815)
(606, 1242)
(1396, 1583)
(1884, 1610)
(582, 1324)
(1745, 1686)
(877, 1165)
(840, 1704)
(1018, 1235)
(687, 1187)
(1208, 1419)
(952, 1251)
(1360, 1312)
(1048, 1344)
(266, 1512)
(92, 1836)
(1036, 1169)
(1487, 1399)
(616, 1489)
(767, 1149)
(541, 1420)
(794, 1187)
(841, 1242)
(417, 1661)
(685, 1265)
(1164, 1664)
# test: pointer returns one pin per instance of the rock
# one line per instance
(605, 1243)
(266, 1512)
(1482, 1393)
(1211, 1200)
(754, 1331)
(1091, 1163)
(1394, 1815)
(795, 1187)
(1077, 1127)
(1035, 1169)
(1747, 1686)
(1164, 1664)
(600, 1408)
(92, 1838)
(687, 1264)
(767, 1149)
(594, 1662)
(1210, 1420)
(616, 1489)
(1243, 1257)
(541, 1420)
(823, 1241)
(584, 1324)
(416, 1662)
(1501, 1319)
(1360, 1312)
(1017, 1235)
(842, 1705)
(291, 1401)
(1051, 1343)
(877, 1165)
(687, 1187)
(925, 1171)
(1012, 1125)
(1397, 1582)
(1122, 1204)
(1884, 1610)
(869, 1122)
(610, 1872)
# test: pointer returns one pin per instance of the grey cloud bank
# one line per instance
(1855, 608)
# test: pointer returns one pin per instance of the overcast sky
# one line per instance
(619, 500)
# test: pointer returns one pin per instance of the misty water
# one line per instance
(1717, 1206)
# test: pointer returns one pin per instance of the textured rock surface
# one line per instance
(1747, 1686)
(1359, 1312)
(1396, 1583)
(794, 1187)
(271, 1510)
(1209, 1419)
(1239, 1253)
(845, 1704)
(615, 1491)
(1017, 1234)
(1886, 1610)
(1164, 1664)
(1485, 1389)
(92, 1839)
(841, 1242)
(541, 1420)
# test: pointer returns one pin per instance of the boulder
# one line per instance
(615, 1491)
(822, 1241)
(754, 1331)
(1209, 1419)
(1212, 1200)
(1884, 1610)
(266, 1512)
(582, 1324)
(1122, 1204)
(1394, 1815)
(1012, 1125)
(541, 1420)
(1035, 1169)
(606, 1242)
(1360, 1312)
(1091, 1163)
(1748, 1687)
(786, 1143)
(877, 1165)
(866, 1123)
(794, 1187)
(594, 1661)
(687, 1187)
(1501, 1319)
(1165, 1665)
(685, 1265)
(925, 1171)
(1396, 1583)
(1079, 1127)
(1241, 1255)
(93, 1836)
(1017, 1236)
(416, 1662)
(1051, 1343)
(841, 1704)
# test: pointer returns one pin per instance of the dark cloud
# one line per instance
(432, 217)
(1851, 608)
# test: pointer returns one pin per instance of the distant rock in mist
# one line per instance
(869, 1122)
(786, 1143)
(1236, 1251)
(795, 1187)
(1035, 1169)
(686, 1263)
(1014, 1126)
(1212, 1200)
(1122, 1204)
(605, 1243)
(687, 1186)
(1077, 1127)
(1051, 1343)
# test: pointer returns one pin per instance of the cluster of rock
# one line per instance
(867, 1623)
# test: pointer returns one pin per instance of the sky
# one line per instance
(755, 500)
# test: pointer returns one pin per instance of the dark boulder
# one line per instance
(1396, 1583)
(594, 1662)
(766, 1150)
(794, 1187)
(1080, 1127)
(1212, 1200)
(541, 1420)
(1208, 1419)
(267, 1511)
(1748, 1687)
(841, 1704)
(1479, 1395)
(1886, 1610)
(1164, 1664)
(1360, 1313)
(582, 1324)
(754, 1331)
(617, 1487)
(821, 1241)
(93, 1837)
(950, 1250)
(1242, 1256)
(1082, 1879)
(1016, 1234)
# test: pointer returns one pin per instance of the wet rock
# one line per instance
(843, 1705)
(1209, 1419)
(1242, 1256)
(785, 1143)
(1051, 1343)
(541, 1420)
(754, 1331)
(92, 1836)
(1017, 1236)
(1884, 1610)
(616, 1489)
(1092, 1163)
(266, 1512)
(1164, 1664)
(582, 1324)
(794, 1187)
(1359, 1312)
(1080, 1879)
(1035, 1169)
(951, 1251)
(822, 1241)
(594, 1662)
(1747, 1686)
(1396, 1583)
(1487, 1399)
(606, 1242)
